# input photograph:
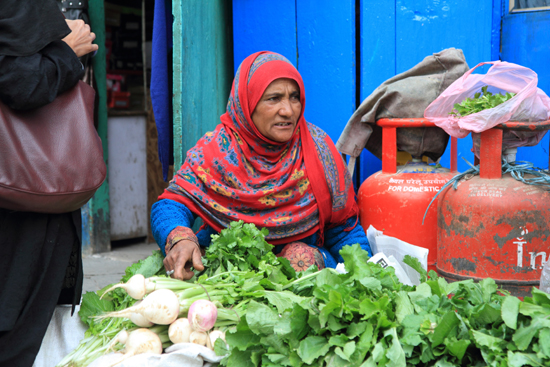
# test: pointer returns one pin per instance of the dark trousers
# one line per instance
(36, 251)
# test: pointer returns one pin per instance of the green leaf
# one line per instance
(356, 329)
(242, 338)
(335, 307)
(444, 363)
(544, 341)
(220, 347)
(446, 327)
(524, 359)
(239, 358)
(338, 340)
(298, 322)
(278, 359)
(540, 297)
(486, 314)
(523, 336)
(260, 318)
(491, 342)
(91, 305)
(458, 347)
(346, 352)
(510, 311)
(147, 267)
(404, 307)
(395, 352)
(414, 263)
(285, 300)
(312, 348)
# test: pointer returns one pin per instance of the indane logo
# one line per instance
(520, 241)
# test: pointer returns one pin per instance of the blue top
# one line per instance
(168, 214)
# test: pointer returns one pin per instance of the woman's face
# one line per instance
(277, 112)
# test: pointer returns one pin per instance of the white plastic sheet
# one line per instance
(65, 333)
(391, 246)
(178, 355)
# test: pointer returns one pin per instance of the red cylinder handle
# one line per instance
(389, 141)
(490, 151)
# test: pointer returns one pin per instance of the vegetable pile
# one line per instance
(481, 101)
(270, 315)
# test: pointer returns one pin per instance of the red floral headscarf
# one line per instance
(234, 173)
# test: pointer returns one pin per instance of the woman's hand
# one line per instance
(80, 39)
(181, 257)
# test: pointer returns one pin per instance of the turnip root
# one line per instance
(141, 341)
(160, 307)
(136, 287)
(202, 315)
(139, 319)
(198, 337)
(179, 331)
(121, 338)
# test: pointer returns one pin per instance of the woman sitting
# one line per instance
(266, 165)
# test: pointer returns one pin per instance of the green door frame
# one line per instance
(202, 69)
(96, 221)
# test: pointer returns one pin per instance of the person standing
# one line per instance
(40, 254)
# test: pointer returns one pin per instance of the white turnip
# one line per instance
(139, 319)
(198, 337)
(202, 315)
(160, 307)
(136, 287)
(179, 331)
(141, 341)
(121, 338)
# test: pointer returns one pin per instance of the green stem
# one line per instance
(312, 275)
(225, 273)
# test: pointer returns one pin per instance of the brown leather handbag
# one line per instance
(51, 158)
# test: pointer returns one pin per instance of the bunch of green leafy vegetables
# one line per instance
(482, 101)
(367, 318)
(243, 247)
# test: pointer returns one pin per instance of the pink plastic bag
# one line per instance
(529, 104)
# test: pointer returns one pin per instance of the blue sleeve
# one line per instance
(167, 215)
(336, 238)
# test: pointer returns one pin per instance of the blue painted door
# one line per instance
(318, 37)
(526, 41)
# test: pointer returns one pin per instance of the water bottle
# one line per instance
(545, 278)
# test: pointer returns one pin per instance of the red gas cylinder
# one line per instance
(492, 225)
(395, 199)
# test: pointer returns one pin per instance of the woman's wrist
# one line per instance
(180, 234)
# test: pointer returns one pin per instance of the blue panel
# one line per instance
(526, 42)
(428, 26)
(377, 44)
(326, 61)
(378, 59)
(264, 26)
(424, 27)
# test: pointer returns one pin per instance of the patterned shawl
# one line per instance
(234, 173)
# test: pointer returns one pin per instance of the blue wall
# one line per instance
(318, 37)
(343, 62)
